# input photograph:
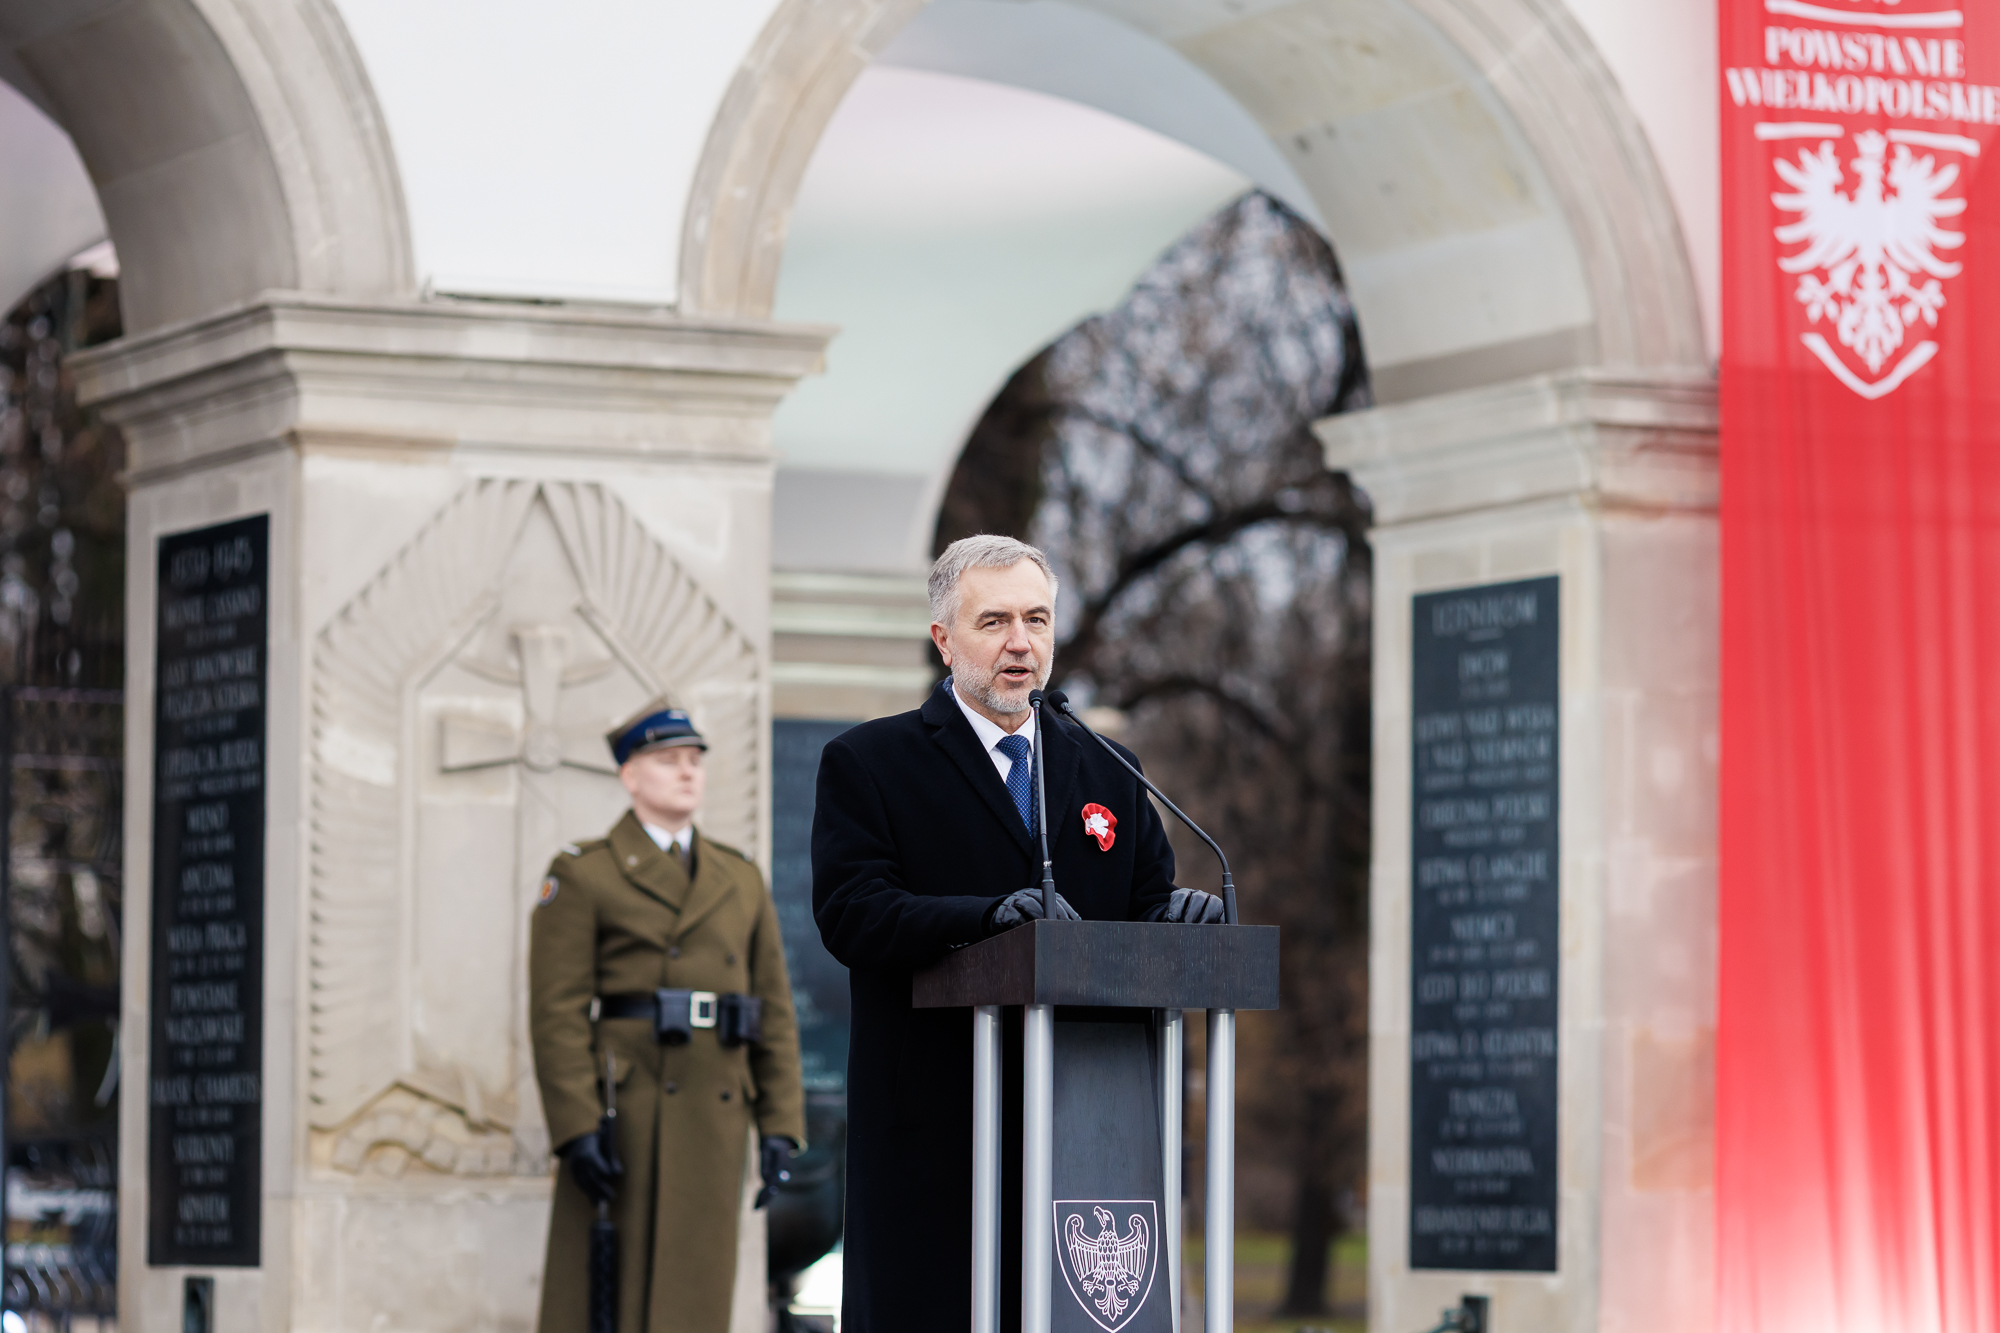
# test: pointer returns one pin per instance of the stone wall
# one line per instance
(495, 531)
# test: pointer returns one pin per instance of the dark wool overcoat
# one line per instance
(914, 838)
(620, 915)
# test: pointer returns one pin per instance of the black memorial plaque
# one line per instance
(819, 984)
(207, 995)
(1484, 858)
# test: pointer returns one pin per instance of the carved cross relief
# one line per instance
(542, 670)
(490, 759)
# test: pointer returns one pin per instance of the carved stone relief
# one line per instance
(459, 706)
(406, 1133)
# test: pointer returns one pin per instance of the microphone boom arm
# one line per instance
(1042, 810)
(1068, 710)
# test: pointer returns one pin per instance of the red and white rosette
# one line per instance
(1100, 824)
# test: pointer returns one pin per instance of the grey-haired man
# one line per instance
(925, 839)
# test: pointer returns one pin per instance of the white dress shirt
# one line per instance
(663, 839)
(990, 734)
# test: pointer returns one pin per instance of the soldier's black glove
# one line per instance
(775, 1161)
(1024, 905)
(1190, 907)
(596, 1173)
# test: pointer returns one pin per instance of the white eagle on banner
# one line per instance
(1870, 266)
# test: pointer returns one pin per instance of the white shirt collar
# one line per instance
(989, 731)
(663, 839)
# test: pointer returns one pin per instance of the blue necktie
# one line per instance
(1020, 778)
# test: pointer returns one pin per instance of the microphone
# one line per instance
(1035, 698)
(1063, 706)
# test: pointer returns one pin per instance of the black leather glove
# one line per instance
(1024, 905)
(1190, 907)
(596, 1172)
(775, 1162)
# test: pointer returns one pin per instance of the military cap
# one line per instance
(655, 727)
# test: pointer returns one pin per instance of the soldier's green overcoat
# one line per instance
(620, 915)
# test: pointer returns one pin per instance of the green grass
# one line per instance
(1262, 1262)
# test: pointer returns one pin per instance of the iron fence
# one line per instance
(61, 914)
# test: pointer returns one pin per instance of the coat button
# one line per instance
(673, 951)
(725, 1094)
(631, 860)
(672, 1087)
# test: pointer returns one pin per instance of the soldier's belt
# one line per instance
(675, 1014)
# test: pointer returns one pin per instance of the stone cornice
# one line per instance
(1637, 439)
(292, 369)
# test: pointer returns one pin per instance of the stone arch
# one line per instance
(1505, 129)
(235, 145)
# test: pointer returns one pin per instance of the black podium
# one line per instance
(1101, 1113)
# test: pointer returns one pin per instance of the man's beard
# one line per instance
(981, 684)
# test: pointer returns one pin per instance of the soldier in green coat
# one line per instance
(659, 949)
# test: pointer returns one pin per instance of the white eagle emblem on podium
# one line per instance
(1870, 266)
(1109, 1272)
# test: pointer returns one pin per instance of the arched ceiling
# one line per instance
(1493, 198)
(1489, 190)
(48, 212)
(232, 145)
(1085, 57)
(1474, 160)
(1353, 111)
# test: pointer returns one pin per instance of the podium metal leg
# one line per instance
(986, 1169)
(1220, 1259)
(1038, 1117)
(1173, 1034)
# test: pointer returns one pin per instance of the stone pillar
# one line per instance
(494, 530)
(848, 645)
(1609, 483)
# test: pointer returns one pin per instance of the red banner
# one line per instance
(1858, 1043)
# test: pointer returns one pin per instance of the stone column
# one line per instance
(494, 531)
(848, 645)
(1608, 482)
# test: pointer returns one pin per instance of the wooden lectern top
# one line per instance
(1117, 964)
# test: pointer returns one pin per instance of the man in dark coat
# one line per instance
(922, 842)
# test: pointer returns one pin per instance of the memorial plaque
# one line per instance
(819, 984)
(1484, 857)
(207, 995)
